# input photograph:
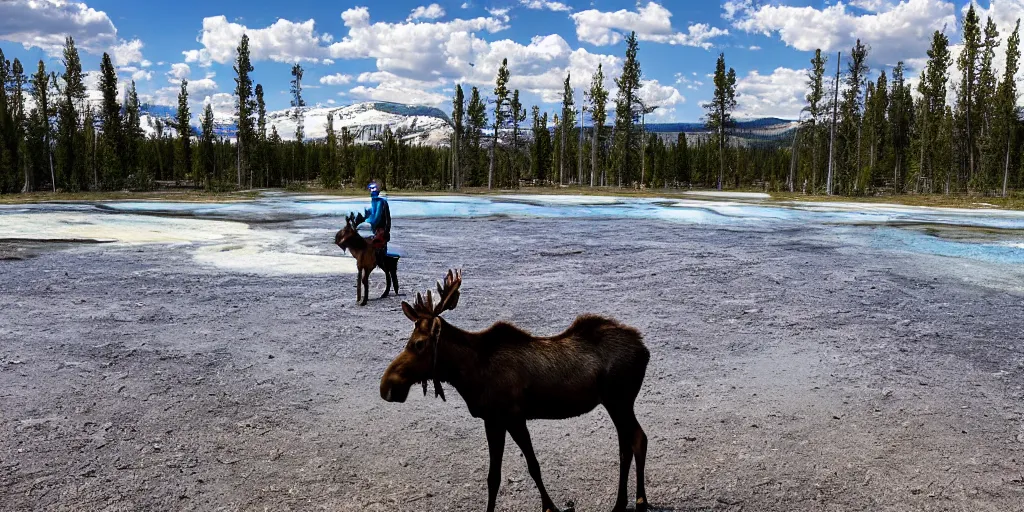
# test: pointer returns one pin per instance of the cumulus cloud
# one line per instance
(44, 24)
(430, 12)
(179, 72)
(654, 94)
(127, 52)
(779, 94)
(399, 94)
(336, 79)
(283, 41)
(141, 75)
(651, 22)
(545, 5)
(894, 32)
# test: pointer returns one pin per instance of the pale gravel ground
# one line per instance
(790, 371)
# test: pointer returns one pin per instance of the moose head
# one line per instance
(341, 238)
(418, 362)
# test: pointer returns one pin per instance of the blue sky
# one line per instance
(415, 51)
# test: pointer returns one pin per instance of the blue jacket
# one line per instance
(379, 216)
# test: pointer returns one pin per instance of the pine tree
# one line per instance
(1008, 114)
(69, 144)
(133, 139)
(244, 106)
(477, 119)
(8, 156)
(298, 104)
(183, 123)
(989, 148)
(968, 63)
(720, 109)
(41, 118)
(852, 115)
(518, 113)
(681, 159)
(500, 98)
(458, 122)
(20, 123)
(626, 101)
(933, 91)
(875, 115)
(206, 148)
(261, 136)
(329, 172)
(815, 108)
(110, 118)
(568, 123)
(597, 98)
(901, 119)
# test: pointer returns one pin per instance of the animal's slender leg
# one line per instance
(625, 454)
(359, 284)
(387, 286)
(496, 446)
(640, 452)
(521, 435)
(394, 275)
(366, 286)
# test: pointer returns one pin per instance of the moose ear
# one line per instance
(409, 312)
(435, 329)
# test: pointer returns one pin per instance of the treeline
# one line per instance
(856, 135)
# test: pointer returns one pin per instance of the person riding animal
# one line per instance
(378, 216)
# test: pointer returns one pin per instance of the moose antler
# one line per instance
(447, 296)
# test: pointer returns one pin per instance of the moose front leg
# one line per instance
(496, 446)
(521, 435)
(359, 285)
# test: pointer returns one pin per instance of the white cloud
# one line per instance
(654, 94)
(336, 79)
(178, 72)
(45, 23)
(872, 5)
(430, 12)
(141, 75)
(396, 93)
(754, 48)
(331, 102)
(545, 4)
(465, 5)
(692, 85)
(895, 32)
(651, 22)
(128, 52)
(328, 62)
(283, 41)
(409, 49)
(499, 12)
(780, 94)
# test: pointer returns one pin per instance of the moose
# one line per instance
(507, 376)
(359, 247)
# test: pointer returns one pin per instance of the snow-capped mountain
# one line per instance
(365, 121)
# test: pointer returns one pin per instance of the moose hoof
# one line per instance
(641, 505)
(385, 295)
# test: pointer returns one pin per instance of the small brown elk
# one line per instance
(348, 239)
(507, 376)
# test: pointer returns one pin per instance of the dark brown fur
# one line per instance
(359, 247)
(507, 376)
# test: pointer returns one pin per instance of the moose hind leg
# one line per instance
(496, 446)
(521, 435)
(640, 452)
(624, 421)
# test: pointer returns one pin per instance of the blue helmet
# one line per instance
(374, 188)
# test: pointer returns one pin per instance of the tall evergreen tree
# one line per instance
(500, 100)
(1008, 113)
(518, 113)
(933, 92)
(183, 123)
(597, 98)
(69, 141)
(41, 118)
(18, 116)
(477, 119)
(207, 161)
(458, 125)
(244, 106)
(261, 136)
(852, 115)
(720, 109)
(901, 119)
(110, 117)
(565, 129)
(8, 142)
(540, 148)
(626, 101)
(815, 108)
(968, 63)
(133, 138)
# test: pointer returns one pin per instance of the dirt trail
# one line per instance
(790, 371)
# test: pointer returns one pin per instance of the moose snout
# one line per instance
(392, 389)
